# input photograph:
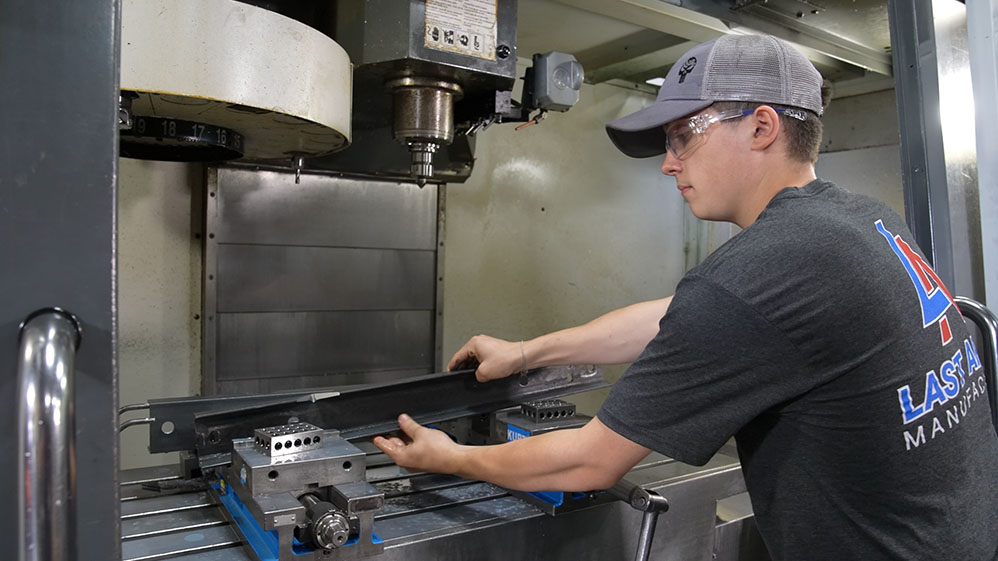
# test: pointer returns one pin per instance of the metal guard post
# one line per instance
(48, 342)
(987, 323)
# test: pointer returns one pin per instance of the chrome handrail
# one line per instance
(987, 323)
(46, 441)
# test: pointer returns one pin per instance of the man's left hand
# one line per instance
(420, 448)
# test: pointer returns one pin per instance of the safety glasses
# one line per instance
(682, 137)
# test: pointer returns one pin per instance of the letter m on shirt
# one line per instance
(932, 294)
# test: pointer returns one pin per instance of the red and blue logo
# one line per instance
(932, 294)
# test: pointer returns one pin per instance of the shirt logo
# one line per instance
(686, 68)
(933, 297)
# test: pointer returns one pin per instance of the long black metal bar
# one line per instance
(987, 323)
(374, 410)
(172, 428)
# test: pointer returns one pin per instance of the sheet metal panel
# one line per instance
(293, 278)
(267, 207)
(332, 281)
(287, 344)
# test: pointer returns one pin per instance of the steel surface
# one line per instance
(323, 278)
(186, 541)
(303, 283)
(173, 521)
(165, 504)
(333, 347)
(263, 207)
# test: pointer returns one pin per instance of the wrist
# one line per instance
(458, 460)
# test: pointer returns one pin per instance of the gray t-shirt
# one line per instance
(821, 339)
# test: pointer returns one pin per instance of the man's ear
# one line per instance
(766, 127)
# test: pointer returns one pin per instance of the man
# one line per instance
(818, 337)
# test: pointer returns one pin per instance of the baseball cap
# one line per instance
(752, 68)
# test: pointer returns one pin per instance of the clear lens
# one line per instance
(682, 137)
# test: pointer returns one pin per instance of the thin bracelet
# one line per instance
(523, 355)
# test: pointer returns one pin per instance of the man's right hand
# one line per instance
(496, 358)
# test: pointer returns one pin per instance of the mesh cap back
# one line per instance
(761, 69)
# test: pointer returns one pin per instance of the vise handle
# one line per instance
(647, 501)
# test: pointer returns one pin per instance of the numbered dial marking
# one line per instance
(176, 140)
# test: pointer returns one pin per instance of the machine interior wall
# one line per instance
(556, 227)
(159, 296)
(860, 148)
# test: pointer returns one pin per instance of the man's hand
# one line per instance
(421, 448)
(496, 358)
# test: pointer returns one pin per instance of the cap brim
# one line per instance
(641, 134)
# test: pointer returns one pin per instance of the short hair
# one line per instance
(803, 137)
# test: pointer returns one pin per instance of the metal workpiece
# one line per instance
(334, 462)
(49, 339)
(173, 427)
(287, 439)
(548, 409)
(362, 412)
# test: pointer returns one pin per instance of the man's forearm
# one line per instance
(584, 459)
(613, 338)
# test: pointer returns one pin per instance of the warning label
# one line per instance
(462, 26)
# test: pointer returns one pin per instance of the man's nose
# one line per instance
(671, 164)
